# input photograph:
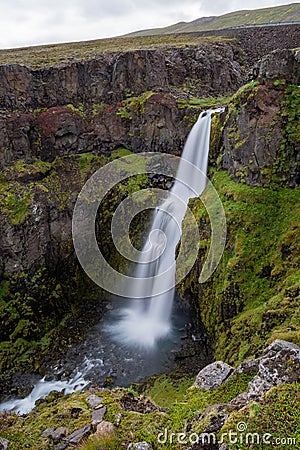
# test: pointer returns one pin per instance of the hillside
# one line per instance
(279, 14)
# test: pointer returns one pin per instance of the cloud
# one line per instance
(30, 22)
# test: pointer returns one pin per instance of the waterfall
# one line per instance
(145, 321)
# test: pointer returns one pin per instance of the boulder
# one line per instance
(98, 415)
(139, 446)
(280, 364)
(80, 434)
(56, 434)
(105, 429)
(213, 375)
(4, 443)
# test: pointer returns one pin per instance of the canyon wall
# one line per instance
(59, 124)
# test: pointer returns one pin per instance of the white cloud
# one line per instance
(30, 22)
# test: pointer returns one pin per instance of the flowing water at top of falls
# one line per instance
(144, 321)
(123, 343)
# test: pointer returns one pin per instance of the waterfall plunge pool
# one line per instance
(104, 359)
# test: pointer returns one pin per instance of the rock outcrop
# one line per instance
(213, 375)
(279, 364)
(261, 131)
(84, 106)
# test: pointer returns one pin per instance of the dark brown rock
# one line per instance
(142, 405)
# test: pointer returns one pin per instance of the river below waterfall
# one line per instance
(135, 340)
(103, 360)
(103, 355)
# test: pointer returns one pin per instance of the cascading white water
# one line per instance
(146, 321)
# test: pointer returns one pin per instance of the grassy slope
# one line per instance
(278, 415)
(279, 14)
(46, 55)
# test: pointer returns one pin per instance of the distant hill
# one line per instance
(275, 15)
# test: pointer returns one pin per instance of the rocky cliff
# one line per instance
(59, 123)
(260, 137)
(117, 99)
(253, 295)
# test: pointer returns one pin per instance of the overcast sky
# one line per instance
(31, 22)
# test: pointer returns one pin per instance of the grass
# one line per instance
(47, 55)
(277, 415)
(56, 411)
(204, 102)
(279, 14)
(253, 296)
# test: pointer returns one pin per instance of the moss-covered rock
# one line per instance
(253, 296)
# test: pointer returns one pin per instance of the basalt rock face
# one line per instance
(77, 107)
(260, 139)
(60, 124)
(255, 149)
(214, 67)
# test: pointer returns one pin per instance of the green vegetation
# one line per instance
(56, 411)
(79, 109)
(278, 14)
(278, 414)
(253, 297)
(133, 104)
(204, 102)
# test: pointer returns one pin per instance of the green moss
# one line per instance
(246, 92)
(16, 206)
(98, 108)
(277, 415)
(165, 390)
(120, 152)
(133, 104)
(79, 109)
(203, 102)
(253, 297)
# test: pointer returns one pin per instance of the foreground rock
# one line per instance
(139, 446)
(80, 434)
(279, 364)
(56, 434)
(4, 443)
(105, 429)
(94, 401)
(213, 375)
